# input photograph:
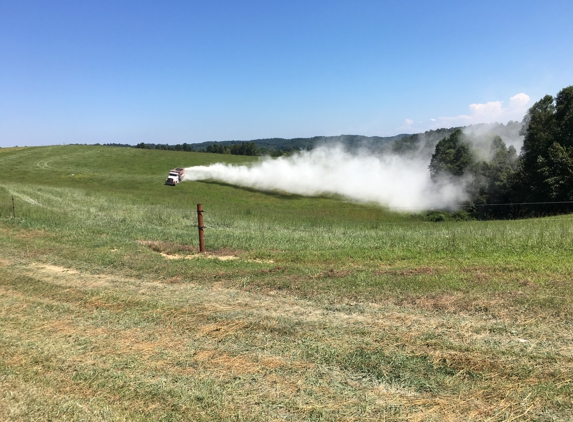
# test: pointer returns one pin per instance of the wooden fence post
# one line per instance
(201, 228)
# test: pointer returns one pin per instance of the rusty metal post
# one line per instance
(201, 228)
(13, 209)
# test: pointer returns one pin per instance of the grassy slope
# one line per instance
(332, 310)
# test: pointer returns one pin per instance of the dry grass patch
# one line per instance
(238, 364)
(145, 345)
(459, 302)
(220, 331)
(424, 270)
(24, 234)
(332, 273)
(32, 234)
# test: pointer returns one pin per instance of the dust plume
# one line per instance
(398, 182)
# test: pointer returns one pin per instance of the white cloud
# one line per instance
(408, 126)
(492, 111)
(519, 101)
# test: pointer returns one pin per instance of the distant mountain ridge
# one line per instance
(284, 144)
(423, 142)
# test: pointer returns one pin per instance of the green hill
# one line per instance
(302, 309)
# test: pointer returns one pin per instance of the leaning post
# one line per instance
(13, 208)
(201, 228)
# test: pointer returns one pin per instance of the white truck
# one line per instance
(175, 176)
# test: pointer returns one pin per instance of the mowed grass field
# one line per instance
(302, 309)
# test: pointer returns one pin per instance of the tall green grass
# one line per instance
(94, 199)
(120, 192)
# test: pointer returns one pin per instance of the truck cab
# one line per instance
(175, 176)
(172, 179)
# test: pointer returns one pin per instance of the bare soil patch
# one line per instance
(171, 250)
(199, 256)
(72, 277)
(54, 269)
(168, 248)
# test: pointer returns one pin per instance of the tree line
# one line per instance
(165, 147)
(239, 148)
(276, 147)
(505, 184)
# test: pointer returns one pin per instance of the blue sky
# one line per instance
(165, 71)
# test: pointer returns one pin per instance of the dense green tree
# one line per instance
(547, 155)
(491, 180)
(187, 147)
(564, 117)
(539, 131)
(245, 148)
(557, 172)
(501, 172)
(452, 156)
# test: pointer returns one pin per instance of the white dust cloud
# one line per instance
(398, 182)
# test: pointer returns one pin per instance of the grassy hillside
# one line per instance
(303, 308)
